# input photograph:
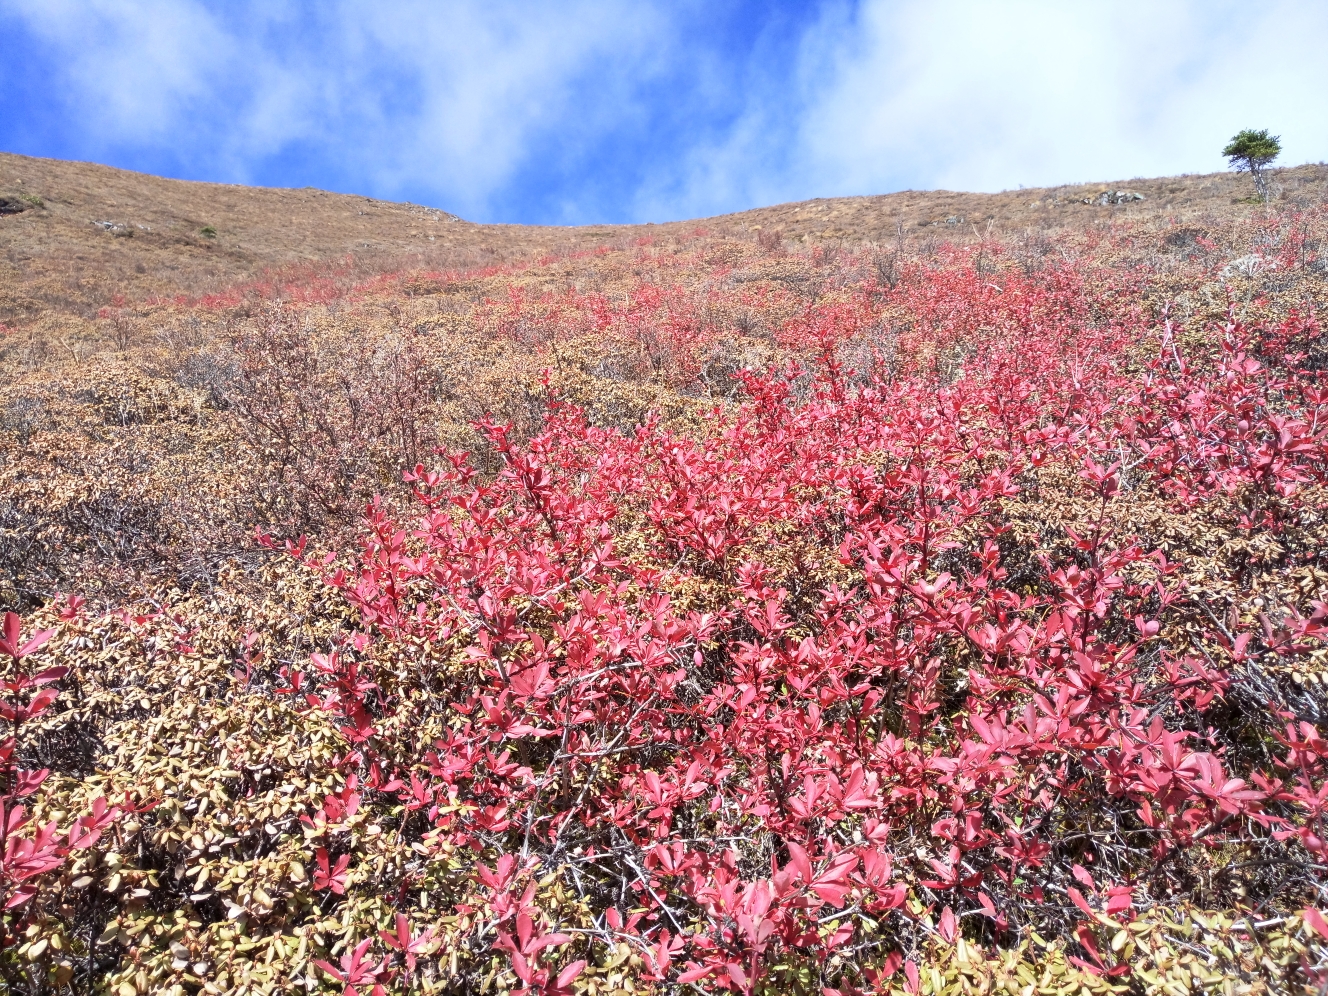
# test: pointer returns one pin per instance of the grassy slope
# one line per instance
(57, 259)
(118, 445)
(125, 468)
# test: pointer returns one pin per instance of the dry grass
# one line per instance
(57, 258)
(1203, 200)
(164, 391)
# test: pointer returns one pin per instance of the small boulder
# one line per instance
(1109, 197)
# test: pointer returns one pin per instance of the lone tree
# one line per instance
(1253, 150)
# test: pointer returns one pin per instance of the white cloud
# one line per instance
(492, 78)
(135, 66)
(448, 96)
(975, 95)
(461, 100)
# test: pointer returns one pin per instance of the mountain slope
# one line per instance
(839, 597)
(101, 232)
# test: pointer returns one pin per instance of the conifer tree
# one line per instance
(1253, 151)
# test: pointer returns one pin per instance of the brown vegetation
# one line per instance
(80, 234)
(168, 392)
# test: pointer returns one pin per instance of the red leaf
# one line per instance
(1085, 879)
(1078, 899)
(695, 974)
(799, 861)
(569, 973)
(892, 962)
(947, 925)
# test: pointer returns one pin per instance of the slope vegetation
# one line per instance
(75, 235)
(805, 601)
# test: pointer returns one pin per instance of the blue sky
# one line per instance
(610, 111)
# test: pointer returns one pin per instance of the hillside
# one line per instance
(915, 595)
(103, 231)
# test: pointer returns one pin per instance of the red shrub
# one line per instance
(29, 853)
(820, 669)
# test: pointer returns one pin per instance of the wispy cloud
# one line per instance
(977, 95)
(447, 98)
(130, 69)
(650, 109)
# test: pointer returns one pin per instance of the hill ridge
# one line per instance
(74, 234)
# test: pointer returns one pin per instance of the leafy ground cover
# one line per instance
(691, 615)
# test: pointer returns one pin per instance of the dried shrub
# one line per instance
(798, 624)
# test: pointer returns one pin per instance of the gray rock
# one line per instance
(1109, 197)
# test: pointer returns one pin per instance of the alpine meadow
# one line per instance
(923, 594)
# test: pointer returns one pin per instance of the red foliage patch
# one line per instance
(823, 633)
